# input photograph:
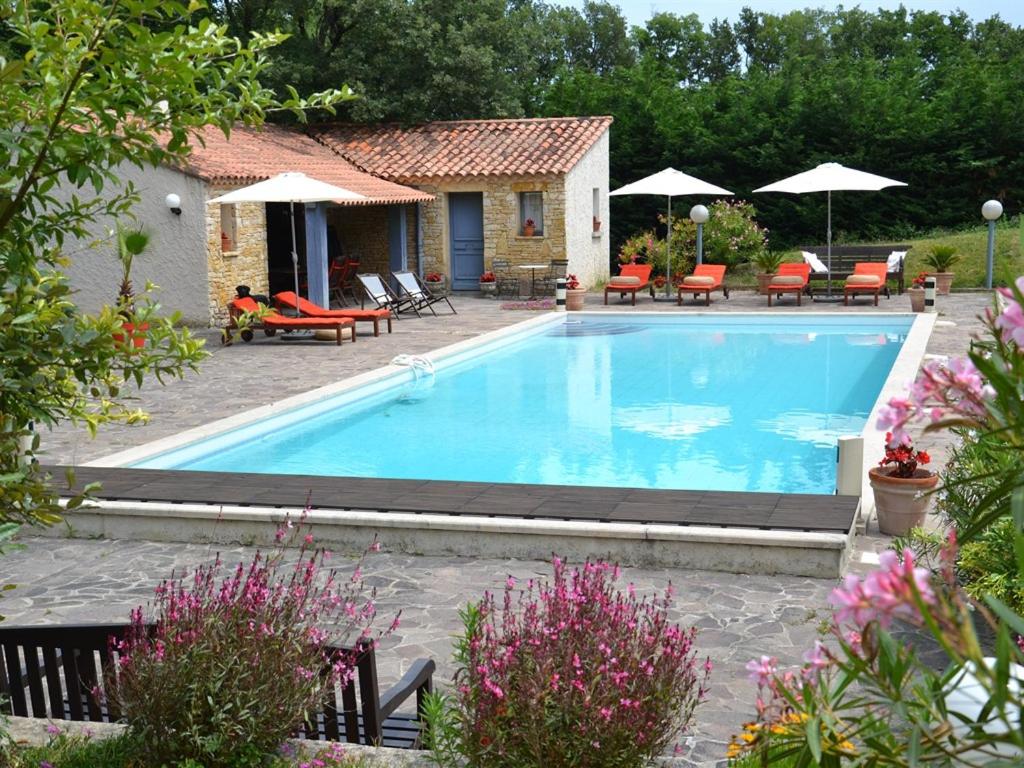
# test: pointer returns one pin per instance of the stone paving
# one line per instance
(738, 616)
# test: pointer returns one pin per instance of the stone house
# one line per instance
(487, 178)
(446, 197)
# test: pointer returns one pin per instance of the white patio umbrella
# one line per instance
(670, 183)
(829, 177)
(290, 187)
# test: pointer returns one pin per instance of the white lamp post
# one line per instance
(991, 210)
(698, 215)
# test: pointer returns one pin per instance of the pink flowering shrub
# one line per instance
(574, 672)
(235, 658)
(867, 696)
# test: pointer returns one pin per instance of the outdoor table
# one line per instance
(533, 276)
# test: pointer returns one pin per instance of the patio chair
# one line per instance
(705, 279)
(380, 293)
(417, 293)
(341, 280)
(631, 278)
(790, 278)
(508, 282)
(867, 278)
(556, 269)
(288, 300)
(273, 322)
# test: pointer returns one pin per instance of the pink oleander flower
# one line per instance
(885, 594)
(762, 670)
(1011, 320)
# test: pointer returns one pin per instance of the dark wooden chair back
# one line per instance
(846, 257)
(61, 672)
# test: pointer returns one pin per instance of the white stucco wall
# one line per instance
(175, 260)
(588, 253)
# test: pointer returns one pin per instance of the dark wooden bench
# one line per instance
(54, 671)
(845, 256)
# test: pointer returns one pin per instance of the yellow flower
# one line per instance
(778, 729)
(847, 746)
(733, 750)
(751, 727)
(748, 737)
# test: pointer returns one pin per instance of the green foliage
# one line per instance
(767, 261)
(124, 750)
(130, 243)
(942, 257)
(87, 85)
(988, 566)
(731, 234)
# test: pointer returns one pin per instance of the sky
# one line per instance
(638, 11)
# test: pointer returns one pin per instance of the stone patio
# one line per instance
(739, 616)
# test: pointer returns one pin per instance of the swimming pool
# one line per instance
(741, 403)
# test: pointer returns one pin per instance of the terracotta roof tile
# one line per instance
(465, 148)
(252, 155)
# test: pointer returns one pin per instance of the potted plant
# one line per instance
(488, 283)
(597, 225)
(767, 264)
(574, 295)
(659, 281)
(529, 227)
(130, 243)
(916, 292)
(435, 283)
(899, 485)
(940, 259)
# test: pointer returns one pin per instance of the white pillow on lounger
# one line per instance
(814, 261)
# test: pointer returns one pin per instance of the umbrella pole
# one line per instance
(295, 254)
(828, 243)
(668, 250)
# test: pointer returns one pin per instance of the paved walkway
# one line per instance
(739, 617)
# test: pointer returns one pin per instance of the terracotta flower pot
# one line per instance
(943, 282)
(900, 501)
(574, 299)
(916, 299)
(136, 333)
(763, 279)
(528, 230)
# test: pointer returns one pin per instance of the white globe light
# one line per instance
(699, 214)
(992, 210)
(172, 201)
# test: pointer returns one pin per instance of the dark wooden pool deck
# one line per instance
(761, 511)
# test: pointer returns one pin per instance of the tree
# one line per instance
(87, 85)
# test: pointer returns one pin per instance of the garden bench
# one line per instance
(40, 665)
(844, 257)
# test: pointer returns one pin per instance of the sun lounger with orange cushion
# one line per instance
(791, 278)
(868, 277)
(705, 279)
(288, 300)
(631, 278)
(274, 321)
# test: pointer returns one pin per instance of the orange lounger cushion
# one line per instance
(277, 322)
(289, 300)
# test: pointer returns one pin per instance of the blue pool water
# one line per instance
(736, 403)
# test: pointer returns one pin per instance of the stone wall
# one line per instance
(588, 251)
(246, 261)
(363, 231)
(501, 221)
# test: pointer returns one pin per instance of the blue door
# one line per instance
(466, 222)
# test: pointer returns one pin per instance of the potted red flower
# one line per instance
(574, 294)
(899, 485)
(916, 292)
(435, 283)
(488, 283)
(529, 227)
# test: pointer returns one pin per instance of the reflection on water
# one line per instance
(671, 421)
